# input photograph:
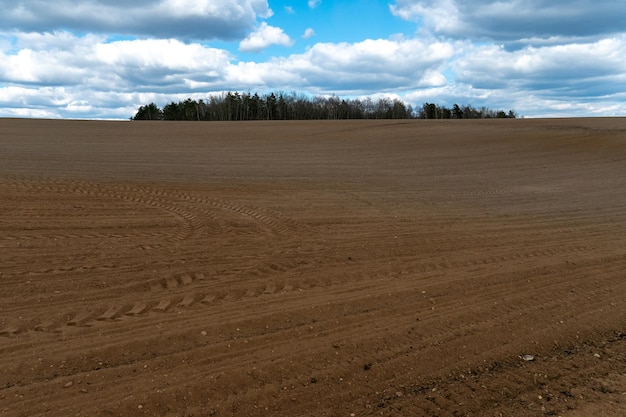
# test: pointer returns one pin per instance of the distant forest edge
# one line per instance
(292, 106)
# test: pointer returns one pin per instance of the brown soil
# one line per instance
(361, 268)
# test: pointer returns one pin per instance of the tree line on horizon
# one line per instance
(234, 106)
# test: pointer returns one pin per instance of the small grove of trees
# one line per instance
(433, 111)
(275, 106)
(292, 106)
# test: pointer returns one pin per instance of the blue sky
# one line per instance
(103, 58)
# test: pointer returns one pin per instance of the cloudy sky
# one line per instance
(104, 58)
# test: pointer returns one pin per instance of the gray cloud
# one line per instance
(568, 71)
(185, 19)
(515, 20)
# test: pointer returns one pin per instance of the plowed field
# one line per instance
(359, 268)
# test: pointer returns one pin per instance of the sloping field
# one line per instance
(360, 268)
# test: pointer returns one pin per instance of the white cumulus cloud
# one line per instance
(372, 65)
(308, 33)
(264, 36)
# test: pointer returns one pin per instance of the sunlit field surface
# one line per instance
(398, 268)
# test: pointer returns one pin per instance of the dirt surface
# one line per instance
(361, 268)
